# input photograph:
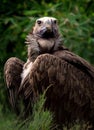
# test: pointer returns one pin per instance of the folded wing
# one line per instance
(69, 84)
(12, 74)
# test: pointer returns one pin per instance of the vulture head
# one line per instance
(44, 37)
(46, 27)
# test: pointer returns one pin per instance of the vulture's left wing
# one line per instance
(76, 61)
(51, 70)
(68, 88)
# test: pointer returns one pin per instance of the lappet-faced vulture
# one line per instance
(71, 78)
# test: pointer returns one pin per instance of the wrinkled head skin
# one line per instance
(46, 27)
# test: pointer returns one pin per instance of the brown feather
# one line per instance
(71, 91)
(76, 61)
(12, 73)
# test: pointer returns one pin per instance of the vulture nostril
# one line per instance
(48, 29)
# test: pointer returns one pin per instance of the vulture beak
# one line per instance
(48, 28)
(47, 31)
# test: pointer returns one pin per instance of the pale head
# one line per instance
(46, 27)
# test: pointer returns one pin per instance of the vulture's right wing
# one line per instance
(12, 74)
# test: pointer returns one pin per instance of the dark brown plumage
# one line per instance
(68, 77)
(12, 70)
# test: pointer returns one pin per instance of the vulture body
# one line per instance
(68, 78)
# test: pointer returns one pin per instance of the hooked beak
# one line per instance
(47, 32)
(48, 28)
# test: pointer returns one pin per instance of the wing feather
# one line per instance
(71, 88)
(75, 60)
(12, 73)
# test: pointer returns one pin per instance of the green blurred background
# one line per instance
(76, 23)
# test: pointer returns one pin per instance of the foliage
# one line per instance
(40, 120)
(76, 22)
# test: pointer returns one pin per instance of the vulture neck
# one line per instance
(37, 45)
(48, 45)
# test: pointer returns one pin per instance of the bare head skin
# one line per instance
(46, 27)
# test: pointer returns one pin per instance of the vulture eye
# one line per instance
(55, 21)
(39, 22)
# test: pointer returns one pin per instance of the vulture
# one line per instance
(67, 78)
